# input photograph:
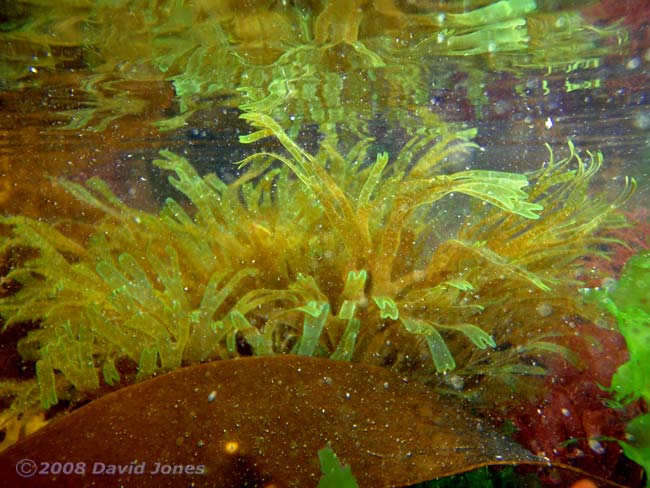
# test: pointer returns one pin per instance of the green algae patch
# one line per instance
(334, 475)
(627, 301)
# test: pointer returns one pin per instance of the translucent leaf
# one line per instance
(354, 283)
(138, 283)
(72, 355)
(192, 185)
(501, 189)
(83, 195)
(346, 311)
(496, 259)
(345, 349)
(478, 336)
(387, 307)
(373, 179)
(353, 291)
(169, 274)
(440, 353)
(147, 365)
(255, 136)
(315, 317)
(111, 275)
(496, 12)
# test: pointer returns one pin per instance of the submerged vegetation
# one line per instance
(627, 301)
(314, 254)
(461, 278)
(341, 54)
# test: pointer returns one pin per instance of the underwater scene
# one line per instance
(328, 243)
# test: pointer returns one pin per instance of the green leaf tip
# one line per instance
(352, 293)
(440, 353)
(501, 189)
(335, 475)
(387, 308)
(316, 315)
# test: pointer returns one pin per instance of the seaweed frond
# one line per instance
(316, 254)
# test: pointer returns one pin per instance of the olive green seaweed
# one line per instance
(313, 254)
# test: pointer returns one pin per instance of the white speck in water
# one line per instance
(596, 446)
(455, 381)
(549, 123)
(566, 412)
(212, 395)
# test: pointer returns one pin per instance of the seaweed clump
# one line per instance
(627, 301)
(320, 254)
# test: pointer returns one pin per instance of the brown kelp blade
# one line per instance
(258, 422)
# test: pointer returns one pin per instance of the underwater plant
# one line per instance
(334, 474)
(627, 301)
(338, 50)
(320, 254)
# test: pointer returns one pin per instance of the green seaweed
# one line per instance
(317, 254)
(627, 301)
(334, 475)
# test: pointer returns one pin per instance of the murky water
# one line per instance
(517, 138)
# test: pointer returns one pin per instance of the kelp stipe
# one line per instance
(320, 255)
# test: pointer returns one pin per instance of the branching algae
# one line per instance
(314, 254)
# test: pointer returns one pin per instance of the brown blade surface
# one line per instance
(259, 422)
